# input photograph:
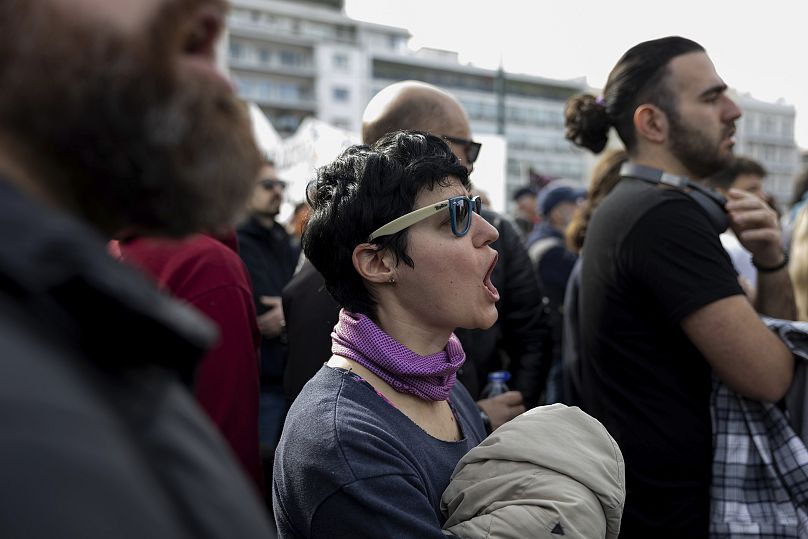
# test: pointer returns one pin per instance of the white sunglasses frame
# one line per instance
(415, 216)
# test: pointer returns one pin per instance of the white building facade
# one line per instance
(308, 59)
(765, 133)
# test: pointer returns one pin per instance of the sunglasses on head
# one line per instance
(472, 148)
(272, 184)
(460, 210)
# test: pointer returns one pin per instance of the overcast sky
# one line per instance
(760, 48)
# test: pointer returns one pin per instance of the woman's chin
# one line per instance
(485, 320)
(492, 320)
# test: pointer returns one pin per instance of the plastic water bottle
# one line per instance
(496, 384)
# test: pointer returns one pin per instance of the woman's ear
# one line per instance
(374, 264)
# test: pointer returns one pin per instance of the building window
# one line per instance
(236, 50)
(291, 58)
(264, 55)
(264, 89)
(786, 127)
(340, 61)
(289, 92)
(340, 94)
(243, 85)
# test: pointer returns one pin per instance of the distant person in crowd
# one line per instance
(206, 272)
(484, 198)
(661, 308)
(553, 262)
(798, 264)
(556, 203)
(372, 439)
(521, 332)
(114, 122)
(605, 176)
(271, 258)
(745, 175)
(297, 223)
(526, 216)
(798, 199)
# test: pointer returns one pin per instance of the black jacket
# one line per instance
(98, 437)
(311, 314)
(521, 332)
(270, 258)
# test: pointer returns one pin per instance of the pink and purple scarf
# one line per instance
(358, 338)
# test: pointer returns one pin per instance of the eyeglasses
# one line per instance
(272, 183)
(460, 210)
(472, 148)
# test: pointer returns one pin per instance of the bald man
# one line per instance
(521, 332)
(423, 107)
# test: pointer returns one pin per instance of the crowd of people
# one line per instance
(176, 362)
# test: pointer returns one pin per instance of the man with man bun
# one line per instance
(661, 306)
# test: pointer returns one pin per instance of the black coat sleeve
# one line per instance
(523, 316)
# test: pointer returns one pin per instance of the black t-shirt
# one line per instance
(651, 259)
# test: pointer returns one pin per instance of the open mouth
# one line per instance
(492, 290)
(199, 46)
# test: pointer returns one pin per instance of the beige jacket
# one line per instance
(552, 472)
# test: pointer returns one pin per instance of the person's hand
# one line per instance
(271, 323)
(502, 408)
(756, 226)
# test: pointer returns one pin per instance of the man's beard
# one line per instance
(109, 128)
(693, 148)
(271, 211)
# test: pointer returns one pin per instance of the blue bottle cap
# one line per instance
(499, 376)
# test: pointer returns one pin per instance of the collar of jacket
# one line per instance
(253, 227)
(57, 270)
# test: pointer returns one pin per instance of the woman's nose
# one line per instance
(483, 232)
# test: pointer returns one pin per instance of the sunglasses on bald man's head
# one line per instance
(472, 148)
(460, 210)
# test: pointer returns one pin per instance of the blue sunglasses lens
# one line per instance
(461, 210)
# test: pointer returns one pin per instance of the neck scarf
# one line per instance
(358, 338)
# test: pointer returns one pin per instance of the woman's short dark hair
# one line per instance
(638, 77)
(363, 189)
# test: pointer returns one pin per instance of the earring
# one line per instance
(391, 280)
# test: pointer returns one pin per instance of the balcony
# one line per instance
(275, 67)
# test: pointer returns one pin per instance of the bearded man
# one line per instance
(661, 309)
(113, 122)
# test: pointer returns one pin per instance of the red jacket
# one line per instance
(208, 274)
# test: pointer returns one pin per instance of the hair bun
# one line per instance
(587, 123)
